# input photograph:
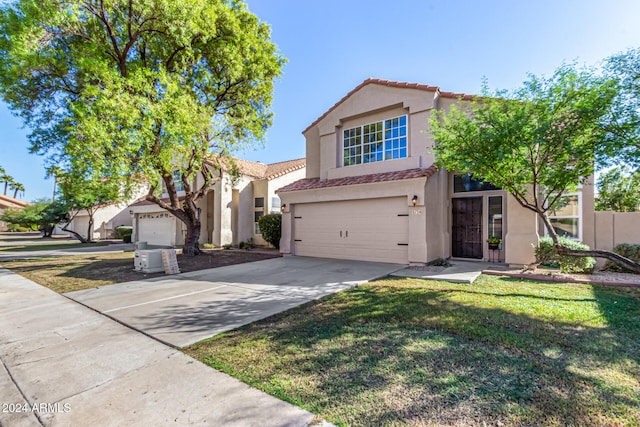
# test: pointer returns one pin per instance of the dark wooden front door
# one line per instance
(467, 227)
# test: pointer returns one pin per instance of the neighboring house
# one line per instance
(106, 218)
(230, 210)
(7, 202)
(372, 192)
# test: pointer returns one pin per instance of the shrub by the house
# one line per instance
(271, 228)
(627, 250)
(546, 254)
(124, 232)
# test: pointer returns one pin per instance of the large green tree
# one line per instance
(622, 142)
(618, 190)
(82, 193)
(140, 90)
(41, 215)
(537, 142)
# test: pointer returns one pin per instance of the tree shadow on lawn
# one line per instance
(383, 354)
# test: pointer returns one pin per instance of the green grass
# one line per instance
(49, 246)
(413, 352)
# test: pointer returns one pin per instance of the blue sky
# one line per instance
(332, 46)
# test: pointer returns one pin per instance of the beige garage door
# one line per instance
(368, 230)
(157, 229)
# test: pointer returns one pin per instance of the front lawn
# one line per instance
(77, 272)
(50, 246)
(414, 352)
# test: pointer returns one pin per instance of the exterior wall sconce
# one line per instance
(414, 200)
(130, 211)
(283, 207)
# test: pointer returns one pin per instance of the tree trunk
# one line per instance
(47, 231)
(90, 229)
(563, 250)
(191, 246)
(612, 256)
(76, 235)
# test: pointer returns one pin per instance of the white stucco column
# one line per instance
(285, 239)
(522, 234)
(417, 234)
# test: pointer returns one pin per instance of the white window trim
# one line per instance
(579, 217)
(362, 143)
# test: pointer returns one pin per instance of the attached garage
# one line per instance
(157, 228)
(369, 229)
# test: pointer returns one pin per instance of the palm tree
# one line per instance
(7, 179)
(17, 186)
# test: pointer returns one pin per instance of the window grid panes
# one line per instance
(395, 146)
(352, 147)
(495, 216)
(372, 143)
(375, 142)
(564, 216)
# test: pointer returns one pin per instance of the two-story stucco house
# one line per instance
(372, 191)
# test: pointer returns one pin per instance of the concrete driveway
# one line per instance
(183, 309)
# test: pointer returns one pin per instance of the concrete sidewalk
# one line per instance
(65, 364)
(458, 272)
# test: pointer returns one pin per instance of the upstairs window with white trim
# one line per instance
(375, 142)
(565, 216)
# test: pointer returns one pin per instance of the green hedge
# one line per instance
(124, 232)
(271, 228)
(627, 250)
(546, 254)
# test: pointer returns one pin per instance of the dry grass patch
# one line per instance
(50, 245)
(413, 352)
(74, 273)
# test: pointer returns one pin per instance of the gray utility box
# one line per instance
(137, 246)
(148, 261)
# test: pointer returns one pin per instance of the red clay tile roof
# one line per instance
(390, 83)
(314, 183)
(262, 171)
(276, 170)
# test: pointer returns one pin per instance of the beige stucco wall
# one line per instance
(324, 151)
(614, 228)
(521, 233)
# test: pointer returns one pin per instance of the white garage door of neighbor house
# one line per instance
(367, 230)
(156, 229)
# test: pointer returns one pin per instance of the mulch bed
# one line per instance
(597, 278)
(206, 259)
